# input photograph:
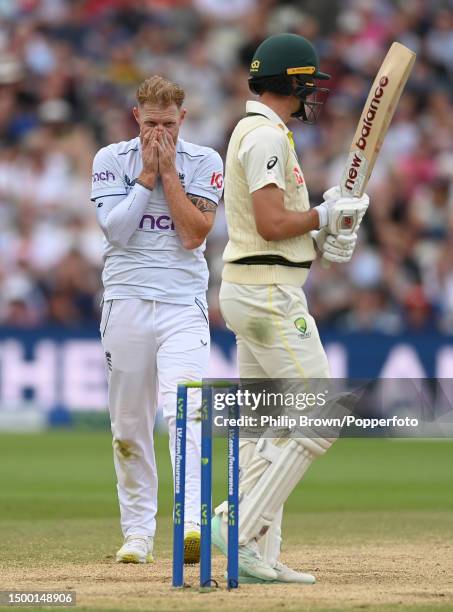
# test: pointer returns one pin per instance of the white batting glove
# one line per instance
(341, 215)
(334, 193)
(337, 249)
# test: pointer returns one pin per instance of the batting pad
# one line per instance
(282, 463)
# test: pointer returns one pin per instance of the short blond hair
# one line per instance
(160, 91)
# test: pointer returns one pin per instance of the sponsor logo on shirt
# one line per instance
(217, 180)
(298, 175)
(106, 175)
(150, 222)
(271, 163)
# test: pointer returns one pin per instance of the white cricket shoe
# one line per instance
(250, 561)
(136, 549)
(191, 543)
(286, 574)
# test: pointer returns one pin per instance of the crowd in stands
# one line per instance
(68, 74)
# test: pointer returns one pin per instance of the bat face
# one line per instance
(375, 119)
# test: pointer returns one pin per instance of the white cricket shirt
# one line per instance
(154, 265)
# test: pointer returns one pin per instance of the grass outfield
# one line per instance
(373, 520)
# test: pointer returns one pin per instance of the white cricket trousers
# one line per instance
(276, 337)
(149, 348)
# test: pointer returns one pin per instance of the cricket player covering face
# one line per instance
(156, 198)
(272, 231)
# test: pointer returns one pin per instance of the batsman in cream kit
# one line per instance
(273, 232)
(156, 197)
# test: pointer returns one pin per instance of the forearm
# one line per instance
(290, 224)
(121, 221)
(147, 179)
(190, 223)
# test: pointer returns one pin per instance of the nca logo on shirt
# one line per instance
(106, 175)
(150, 222)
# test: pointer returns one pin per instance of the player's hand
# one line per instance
(342, 215)
(167, 153)
(337, 249)
(150, 156)
(334, 193)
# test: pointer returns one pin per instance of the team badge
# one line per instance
(301, 325)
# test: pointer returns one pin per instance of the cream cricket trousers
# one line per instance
(276, 337)
(150, 347)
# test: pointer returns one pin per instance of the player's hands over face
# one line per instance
(150, 153)
(167, 153)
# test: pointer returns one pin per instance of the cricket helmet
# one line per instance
(287, 64)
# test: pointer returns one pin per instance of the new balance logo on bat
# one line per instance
(357, 162)
(354, 169)
(367, 122)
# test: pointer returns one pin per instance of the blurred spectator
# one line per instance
(68, 72)
(371, 310)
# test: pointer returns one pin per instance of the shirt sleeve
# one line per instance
(207, 181)
(107, 177)
(263, 155)
(119, 216)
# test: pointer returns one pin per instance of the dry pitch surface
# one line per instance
(374, 524)
(359, 574)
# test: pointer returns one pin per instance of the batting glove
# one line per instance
(337, 249)
(341, 215)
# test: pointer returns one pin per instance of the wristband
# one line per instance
(323, 214)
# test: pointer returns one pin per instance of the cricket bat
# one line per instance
(375, 119)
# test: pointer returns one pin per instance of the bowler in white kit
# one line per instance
(156, 197)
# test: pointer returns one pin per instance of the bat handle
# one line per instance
(325, 263)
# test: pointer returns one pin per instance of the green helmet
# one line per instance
(287, 54)
(288, 65)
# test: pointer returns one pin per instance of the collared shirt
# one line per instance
(263, 151)
(154, 265)
(260, 152)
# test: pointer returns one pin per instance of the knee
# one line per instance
(247, 448)
(124, 448)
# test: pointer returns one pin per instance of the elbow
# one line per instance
(119, 244)
(269, 233)
(192, 243)
(195, 239)
(270, 227)
(115, 240)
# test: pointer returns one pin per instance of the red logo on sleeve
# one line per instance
(217, 180)
(298, 175)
